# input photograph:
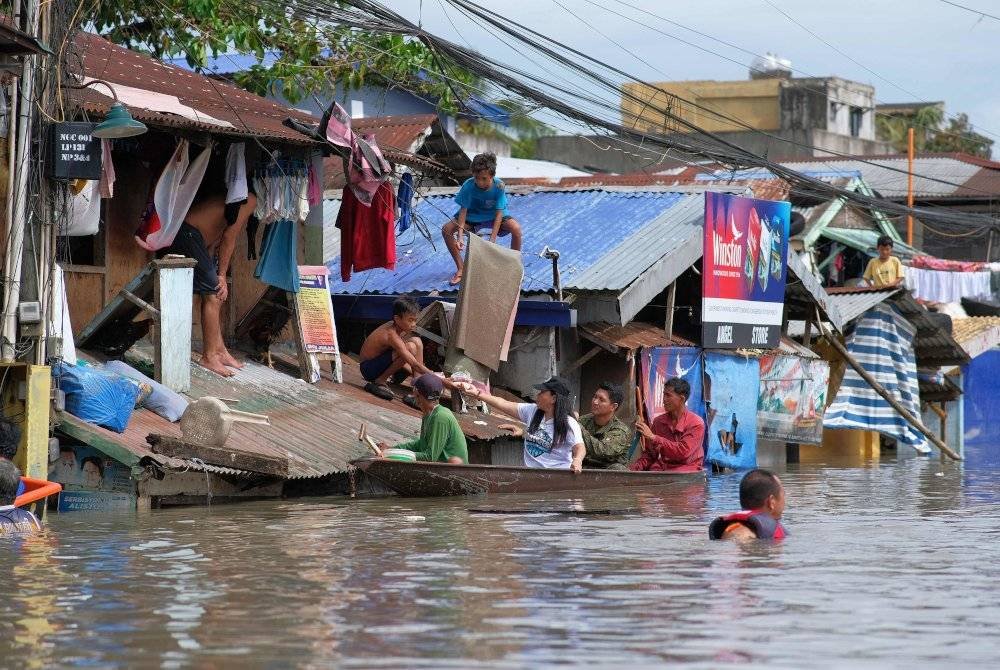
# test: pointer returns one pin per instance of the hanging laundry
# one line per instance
(931, 263)
(172, 198)
(367, 233)
(59, 322)
(236, 173)
(282, 190)
(366, 167)
(944, 286)
(404, 198)
(315, 182)
(83, 211)
(278, 264)
(107, 184)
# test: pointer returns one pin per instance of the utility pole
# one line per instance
(17, 199)
(909, 188)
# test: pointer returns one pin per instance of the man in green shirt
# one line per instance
(606, 437)
(441, 438)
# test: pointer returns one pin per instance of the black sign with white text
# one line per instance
(76, 153)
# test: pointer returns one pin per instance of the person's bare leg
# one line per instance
(455, 460)
(211, 335)
(396, 365)
(514, 228)
(448, 233)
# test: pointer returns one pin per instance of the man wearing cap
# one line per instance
(441, 438)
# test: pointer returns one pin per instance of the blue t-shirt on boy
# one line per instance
(482, 205)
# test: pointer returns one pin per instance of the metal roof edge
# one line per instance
(654, 279)
(816, 290)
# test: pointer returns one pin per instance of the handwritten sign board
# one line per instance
(76, 153)
(317, 331)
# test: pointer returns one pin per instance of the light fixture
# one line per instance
(118, 122)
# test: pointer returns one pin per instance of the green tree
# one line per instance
(295, 57)
(959, 136)
(930, 132)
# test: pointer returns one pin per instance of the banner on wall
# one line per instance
(731, 384)
(743, 271)
(793, 394)
(660, 364)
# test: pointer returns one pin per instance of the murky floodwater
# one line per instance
(891, 566)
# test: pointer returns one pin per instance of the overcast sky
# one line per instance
(908, 49)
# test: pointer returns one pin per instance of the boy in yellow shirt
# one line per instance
(885, 271)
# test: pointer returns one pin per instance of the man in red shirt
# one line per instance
(675, 440)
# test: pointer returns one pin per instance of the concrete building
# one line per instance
(776, 116)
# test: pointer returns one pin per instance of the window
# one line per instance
(857, 116)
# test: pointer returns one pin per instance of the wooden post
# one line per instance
(172, 300)
(878, 388)
(668, 326)
(807, 337)
(909, 188)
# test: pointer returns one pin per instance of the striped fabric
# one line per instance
(882, 342)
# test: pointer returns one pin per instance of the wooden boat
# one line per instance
(423, 479)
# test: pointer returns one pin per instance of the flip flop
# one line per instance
(410, 401)
(380, 391)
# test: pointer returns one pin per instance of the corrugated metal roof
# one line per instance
(977, 334)
(852, 303)
(606, 240)
(630, 337)
(418, 141)
(887, 174)
(250, 115)
(315, 428)
(866, 241)
(934, 346)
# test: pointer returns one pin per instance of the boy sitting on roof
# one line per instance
(441, 438)
(393, 349)
(13, 520)
(483, 204)
(885, 271)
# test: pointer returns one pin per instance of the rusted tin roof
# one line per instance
(248, 115)
(314, 426)
(418, 141)
(977, 334)
(632, 336)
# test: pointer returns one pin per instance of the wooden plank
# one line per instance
(172, 331)
(309, 370)
(84, 295)
(119, 310)
(221, 456)
(668, 326)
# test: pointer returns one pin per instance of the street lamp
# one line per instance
(117, 122)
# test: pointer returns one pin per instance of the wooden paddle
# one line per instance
(365, 438)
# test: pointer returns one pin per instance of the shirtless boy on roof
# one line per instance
(393, 349)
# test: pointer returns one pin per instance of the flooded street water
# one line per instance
(892, 566)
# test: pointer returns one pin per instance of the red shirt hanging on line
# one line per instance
(367, 234)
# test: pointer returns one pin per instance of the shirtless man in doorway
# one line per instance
(210, 231)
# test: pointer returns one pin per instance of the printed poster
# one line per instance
(731, 385)
(793, 393)
(660, 364)
(315, 310)
(743, 271)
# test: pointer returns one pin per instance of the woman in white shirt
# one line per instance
(552, 438)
